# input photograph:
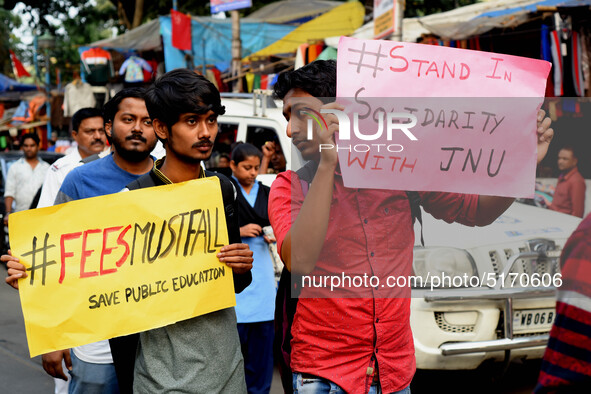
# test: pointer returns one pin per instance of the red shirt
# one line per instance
(569, 196)
(370, 232)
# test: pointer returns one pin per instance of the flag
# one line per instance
(181, 30)
(17, 66)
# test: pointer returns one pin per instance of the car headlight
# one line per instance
(443, 267)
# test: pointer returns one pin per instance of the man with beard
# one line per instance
(24, 177)
(129, 129)
(88, 130)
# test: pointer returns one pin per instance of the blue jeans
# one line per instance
(256, 341)
(318, 385)
(90, 378)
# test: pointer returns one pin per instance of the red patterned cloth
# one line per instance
(567, 362)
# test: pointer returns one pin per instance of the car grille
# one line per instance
(495, 261)
(447, 327)
(548, 263)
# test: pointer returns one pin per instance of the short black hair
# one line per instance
(244, 150)
(84, 113)
(318, 78)
(179, 92)
(571, 149)
(27, 136)
(112, 106)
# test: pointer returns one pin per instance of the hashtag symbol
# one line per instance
(44, 264)
(362, 54)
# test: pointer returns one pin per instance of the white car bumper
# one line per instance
(461, 328)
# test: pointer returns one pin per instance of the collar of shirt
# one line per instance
(158, 165)
(252, 196)
(568, 174)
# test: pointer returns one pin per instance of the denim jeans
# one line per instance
(90, 378)
(318, 385)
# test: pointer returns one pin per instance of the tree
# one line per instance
(91, 23)
(8, 23)
(427, 7)
(133, 13)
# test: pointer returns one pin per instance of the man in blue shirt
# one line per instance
(129, 130)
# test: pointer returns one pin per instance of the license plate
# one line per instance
(533, 320)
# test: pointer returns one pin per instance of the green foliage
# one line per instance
(72, 22)
(427, 7)
(193, 7)
(8, 22)
(92, 23)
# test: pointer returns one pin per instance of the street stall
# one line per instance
(307, 42)
(210, 52)
(22, 109)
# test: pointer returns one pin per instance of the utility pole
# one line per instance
(399, 7)
(236, 51)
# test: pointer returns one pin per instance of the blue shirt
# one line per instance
(96, 178)
(256, 303)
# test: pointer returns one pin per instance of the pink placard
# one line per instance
(472, 127)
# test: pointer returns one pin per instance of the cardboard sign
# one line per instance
(384, 17)
(114, 265)
(461, 121)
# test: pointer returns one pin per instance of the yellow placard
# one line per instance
(114, 265)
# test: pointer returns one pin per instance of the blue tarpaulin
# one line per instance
(10, 85)
(212, 41)
(211, 38)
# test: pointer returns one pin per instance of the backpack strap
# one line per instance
(414, 199)
(145, 180)
(90, 158)
(307, 172)
(229, 200)
(241, 281)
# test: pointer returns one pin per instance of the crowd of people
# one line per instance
(345, 344)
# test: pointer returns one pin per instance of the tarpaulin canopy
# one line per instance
(411, 30)
(474, 19)
(12, 88)
(342, 20)
(212, 40)
(143, 38)
(479, 18)
(293, 11)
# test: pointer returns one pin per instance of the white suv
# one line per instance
(507, 310)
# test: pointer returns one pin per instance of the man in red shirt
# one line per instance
(569, 196)
(323, 229)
